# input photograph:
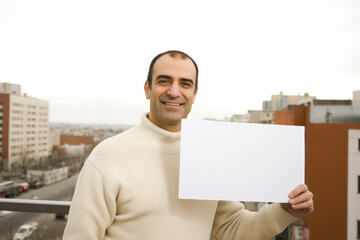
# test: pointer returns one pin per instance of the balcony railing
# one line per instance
(36, 206)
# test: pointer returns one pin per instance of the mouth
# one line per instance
(172, 104)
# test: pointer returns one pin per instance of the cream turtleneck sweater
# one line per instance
(128, 189)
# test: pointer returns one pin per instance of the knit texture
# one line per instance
(128, 189)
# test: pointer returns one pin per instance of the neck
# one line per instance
(176, 127)
(159, 138)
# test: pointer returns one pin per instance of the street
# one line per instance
(48, 226)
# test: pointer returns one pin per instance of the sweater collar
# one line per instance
(159, 138)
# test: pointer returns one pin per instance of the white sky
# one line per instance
(90, 58)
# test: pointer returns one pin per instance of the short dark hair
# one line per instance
(172, 53)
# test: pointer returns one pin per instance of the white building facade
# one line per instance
(353, 219)
(24, 129)
(48, 177)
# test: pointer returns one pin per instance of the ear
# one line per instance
(195, 94)
(147, 89)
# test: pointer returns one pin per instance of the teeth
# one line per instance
(173, 104)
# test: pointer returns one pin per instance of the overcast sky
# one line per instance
(89, 59)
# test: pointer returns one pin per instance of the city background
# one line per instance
(72, 74)
(41, 160)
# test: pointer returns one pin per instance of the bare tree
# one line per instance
(24, 160)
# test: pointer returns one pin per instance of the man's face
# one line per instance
(172, 92)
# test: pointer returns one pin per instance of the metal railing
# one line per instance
(38, 206)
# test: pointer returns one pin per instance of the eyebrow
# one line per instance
(182, 79)
(163, 76)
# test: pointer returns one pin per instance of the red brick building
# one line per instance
(76, 140)
(326, 171)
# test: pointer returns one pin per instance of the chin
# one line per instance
(174, 119)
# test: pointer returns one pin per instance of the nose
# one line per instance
(174, 90)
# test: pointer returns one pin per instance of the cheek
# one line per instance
(156, 93)
(190, 97)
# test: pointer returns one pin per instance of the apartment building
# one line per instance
(332, 164)
(277, 103)
(261, 116)
(281, 101)
(24, 128)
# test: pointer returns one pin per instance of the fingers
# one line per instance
(301, 198)
(298, 190)
(304, 205)
(300, 202)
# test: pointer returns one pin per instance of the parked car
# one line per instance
(36, 184)
(24, 186)
(25, 231)
(13, 192)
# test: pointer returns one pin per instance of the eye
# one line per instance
(162, 81)
(186, 84)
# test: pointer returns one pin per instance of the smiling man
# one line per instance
(128, 187)
(171, 87)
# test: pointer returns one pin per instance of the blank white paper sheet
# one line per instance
(240, 161)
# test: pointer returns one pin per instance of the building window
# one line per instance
(359, 144)
(358, 184)
(358, 229)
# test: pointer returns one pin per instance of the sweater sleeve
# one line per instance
(233, 221)
(93, 206)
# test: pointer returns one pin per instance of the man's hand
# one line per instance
(300, 202)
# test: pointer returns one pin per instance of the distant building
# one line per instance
(277, 103)
(261, 116)
(73, 150)
(332, 169)
(77, 140)
(24, 128)
(70, 148)
(334, 111)
(76, 145)
(244, 118)
(281, 101)
(11, 88)
(323, 111)
(48, 176)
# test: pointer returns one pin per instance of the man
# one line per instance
(128, 186)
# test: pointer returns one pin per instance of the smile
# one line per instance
(172, 104)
